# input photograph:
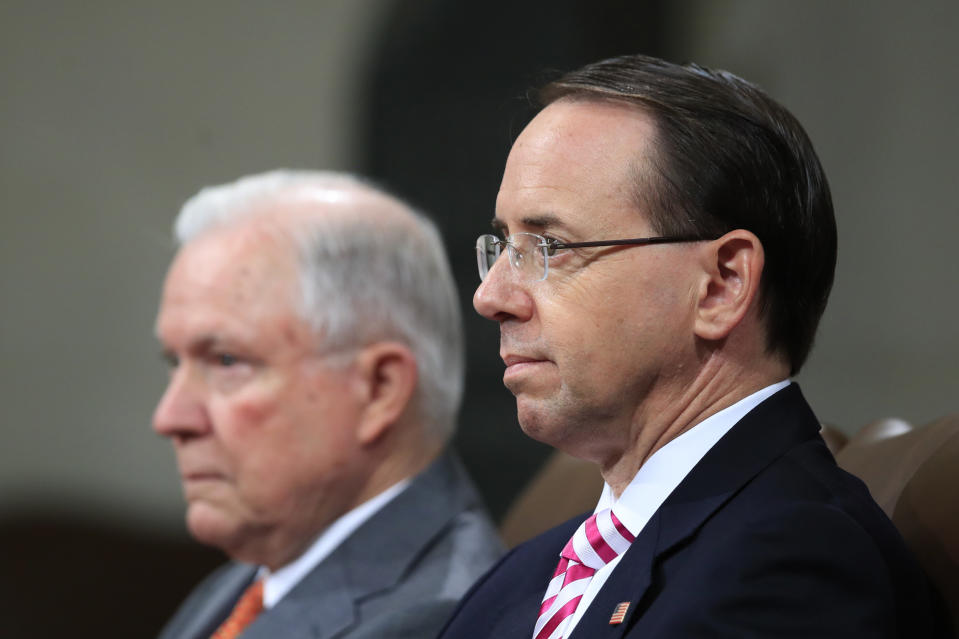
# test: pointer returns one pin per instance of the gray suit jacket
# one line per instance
(400, 574)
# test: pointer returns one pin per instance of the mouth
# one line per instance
(518, 364)
(202, 485)
(200, 475)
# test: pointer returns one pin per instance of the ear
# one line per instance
(733, 265)
(389, 375)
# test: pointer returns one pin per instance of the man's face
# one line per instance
(596, 346)
(262, 427)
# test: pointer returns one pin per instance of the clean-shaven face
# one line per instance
(263, 429)
(610, 326)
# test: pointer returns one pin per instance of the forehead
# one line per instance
(575, 164)
(229, 280)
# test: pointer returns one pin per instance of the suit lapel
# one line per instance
(628, 583)
(372, 560)
(380, 552)
(319, 606)
(514, 615)
(215, 608)
(762, 436)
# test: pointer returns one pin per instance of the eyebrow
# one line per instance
(540, 222)
(202, 344)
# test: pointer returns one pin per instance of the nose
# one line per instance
(501, 297)
(181, 412)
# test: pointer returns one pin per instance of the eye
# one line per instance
(170, 358)
(225, 359)
(551, 243)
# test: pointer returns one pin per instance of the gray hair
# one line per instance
(364, 277)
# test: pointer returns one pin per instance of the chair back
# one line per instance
(913, 474)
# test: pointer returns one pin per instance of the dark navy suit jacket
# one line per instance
(765, 537)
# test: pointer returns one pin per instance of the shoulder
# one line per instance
(454, 541)
(470, 546)
(410, 563)
(504, 601)
(801, 569)
(421, 619)
(803, 503)
(537, 555)
(802, 550)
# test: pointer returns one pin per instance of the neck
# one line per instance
(387, 462)
(401, 463)
(667, 413)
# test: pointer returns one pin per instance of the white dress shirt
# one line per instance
(277, 584)
(660, 475)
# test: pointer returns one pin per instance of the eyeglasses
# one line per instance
(529, 253)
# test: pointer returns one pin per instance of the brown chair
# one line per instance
(913, 473)
(887, 453)
(882, 429)
(835, 439)
(565, 486)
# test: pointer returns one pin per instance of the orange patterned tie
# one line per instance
(245, 611)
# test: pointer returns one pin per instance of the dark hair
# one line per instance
(727, 156)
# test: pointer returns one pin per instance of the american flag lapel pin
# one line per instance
(619, 613)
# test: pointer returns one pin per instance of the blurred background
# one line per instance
(113, 113)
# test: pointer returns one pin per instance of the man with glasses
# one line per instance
(664, 249)
(316, 353)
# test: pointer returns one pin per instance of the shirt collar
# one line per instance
(669, 465)
(277, 584)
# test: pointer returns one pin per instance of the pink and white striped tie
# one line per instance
(596, 542)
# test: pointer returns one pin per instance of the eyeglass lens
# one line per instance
(488, 248)
(526, 252)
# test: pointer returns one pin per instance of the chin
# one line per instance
(555, 422)
(536, 422)
(211, 527)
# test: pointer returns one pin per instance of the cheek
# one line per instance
(304, 430)
(249, 429)
(250, 415)
(609, 332)
(272, 455)
(245, 416)
(581, 322)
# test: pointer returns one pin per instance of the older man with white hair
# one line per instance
(315, 344)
